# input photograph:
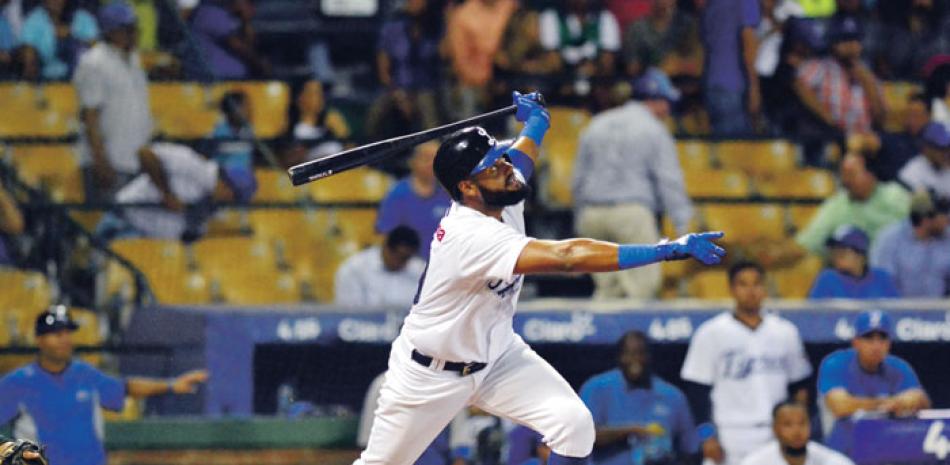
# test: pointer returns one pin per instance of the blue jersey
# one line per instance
(61, 410)
(840, 369)
(613, 402)
(876, 284)
(235, 147)
(403, 207)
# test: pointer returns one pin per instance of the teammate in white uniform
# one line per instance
(751, 360)
(457, 346)
(792, 429)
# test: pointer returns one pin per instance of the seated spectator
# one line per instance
(637, 413)
(186, 184)
(733, 95)
(936, 84)
(792, 427)
(628, 11)
(840, 89)
(409, 69)
(16, 60)
(850, 276)
(474, 30)
(910, 33)
(226, 38)
(771, 32)
(316, 126)
(743, 362)
(865, 378)
(916, 251)
(864, 202)
(648, 42)
(381, 276)
(417, 201)
(59, 35)
(897, 148)
(931, 169)
(234, 133)
(800, 40)
(114, 113)
(522, 62)
(11, 225)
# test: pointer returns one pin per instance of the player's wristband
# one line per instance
(634, 255)
(535, 127)
(705, 431)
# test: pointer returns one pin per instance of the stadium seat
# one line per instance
(269, 101)
(745, 223)
(357, 224)
(560, 150)
(243, 271)
(716, 183)
(694, 155)
(808, 183)
(273, 185)
(59, 98)
(185, 110)
(800, 215)
(709, 284)
(228, 222)
(167, 267)
(53, 168)
(757, 158)
(27, 112)
(358, 185)
(895, 99)
(90, 333)
(795, 281)
(24, 295)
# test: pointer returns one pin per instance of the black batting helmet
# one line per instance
(464, 154)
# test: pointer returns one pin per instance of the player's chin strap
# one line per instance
(556, 459)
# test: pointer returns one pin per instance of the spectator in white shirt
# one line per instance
(792, 428)
(381, 276)
(185, 184)
(930, 170)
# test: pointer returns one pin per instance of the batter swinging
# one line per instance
(457, 346)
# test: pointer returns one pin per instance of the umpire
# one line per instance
(55, 400)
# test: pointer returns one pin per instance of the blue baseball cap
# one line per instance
(872, 321)
(851, 237)
(54, 320)
(654, 84)
(936, 134)
(497, 150)
(116, 15)
(843, 29)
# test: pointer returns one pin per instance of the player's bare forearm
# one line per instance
(842, 404)
(571, 255)
(147, 387)
(912, 400)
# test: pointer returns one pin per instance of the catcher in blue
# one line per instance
(457, 346)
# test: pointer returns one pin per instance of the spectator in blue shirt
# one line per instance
(850, 276)
(866, 378)
(733, 96)
(57, 398)
(58, 35)
(234, 133)
(639, 417)
(916, 251)
(417, 201)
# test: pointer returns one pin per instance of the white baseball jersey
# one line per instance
(816, 454)
(749, 370)
(363, 281)
(466, 300)
(920, 174)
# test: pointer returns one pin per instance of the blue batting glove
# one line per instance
(528, 105)
(699, 246)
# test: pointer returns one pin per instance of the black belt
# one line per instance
(463, 369)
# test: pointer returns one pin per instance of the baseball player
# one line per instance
(457, 347)
(751, 360)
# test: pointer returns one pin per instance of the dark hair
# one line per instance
(787, 403)
(632, 334)
(402, 235)
(740, 266)
(231, 100)
(919, 97)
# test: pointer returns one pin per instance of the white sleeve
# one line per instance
(609, 32)
(549, 30)
(700, 364)
(180, 161)
(347, 290)
(490, 251)
(90, 87)
(797, 365)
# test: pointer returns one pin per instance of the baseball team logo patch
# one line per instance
(439, 233)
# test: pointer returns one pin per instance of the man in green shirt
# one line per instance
(863, 202)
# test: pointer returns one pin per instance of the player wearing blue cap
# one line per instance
(850, 276)
(866, 378)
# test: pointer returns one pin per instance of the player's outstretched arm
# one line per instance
(591, 256)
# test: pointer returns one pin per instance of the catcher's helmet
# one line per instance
(464, 154)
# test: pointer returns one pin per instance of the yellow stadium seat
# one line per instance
(273, 185)
(23, 291)
(560, 150)
(694, 155)
(53, 168)
(801, 215)
(27, 113)
(269, 102)
(746, 223)
(757, 158)
(60, 98)
(709, 284)
(167, 267)
(795, 281)
(87, 219)
(808, 183)
(895, 99)
(244, 271)
(234, 255)
(187, 110)
(358, 185)
(228, 222)
(357, 224)
(90, 333)
(716, 183)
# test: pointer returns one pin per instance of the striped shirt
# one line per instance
(843, 97)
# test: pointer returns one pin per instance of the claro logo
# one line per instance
(357, 330)
(576, 329)
(908, 329)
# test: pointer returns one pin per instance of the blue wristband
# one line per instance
(634, 255)
(535, 127)
(705, 431)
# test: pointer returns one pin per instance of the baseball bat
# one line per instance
(376, 151)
